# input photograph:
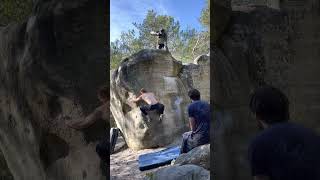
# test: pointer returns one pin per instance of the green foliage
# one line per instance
(14, 10)
(205, 15)
(184, 45)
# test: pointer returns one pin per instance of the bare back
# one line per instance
(149, 98)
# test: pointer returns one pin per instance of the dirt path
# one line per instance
(124, 163)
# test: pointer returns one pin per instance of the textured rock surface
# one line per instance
(220, 18)
(199, 156)
(264, 46)
(4, 171)
(197, 75)
(269, 3)
(50, 68)
(159, 72)
(185, 172)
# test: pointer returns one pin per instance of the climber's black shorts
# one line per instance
(161, 46)
(159, 107)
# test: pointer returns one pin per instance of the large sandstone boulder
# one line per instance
(197, 75)
(185, 172)
(265, 46)
(275, 4)
(159, 72)
(220, 18)
(199, 156)
(51, 66)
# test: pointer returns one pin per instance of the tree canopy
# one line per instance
(184, 45)
(14, 10)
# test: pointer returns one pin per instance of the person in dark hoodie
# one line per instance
(282, 150)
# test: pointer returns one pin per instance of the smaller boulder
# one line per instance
(199, 156)
(185, 172)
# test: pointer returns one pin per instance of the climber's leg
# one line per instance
(161, 46)
(144, 109)
(161, 111)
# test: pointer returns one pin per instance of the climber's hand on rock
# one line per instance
(132, 101)
(74, 125)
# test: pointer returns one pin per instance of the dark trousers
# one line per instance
(185, 147)
(161, 46)
(103, 146)
(102, 149)
(159, 107)
(191, 140)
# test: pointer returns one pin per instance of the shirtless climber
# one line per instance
(162, 38)
(152, 103)
(99, 113)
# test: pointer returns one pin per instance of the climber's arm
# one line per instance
(89, 120)
(154, 33)
(137, 99)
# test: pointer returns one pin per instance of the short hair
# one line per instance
(270, 104)
(194, 94)
(103, 92)
(142, 90)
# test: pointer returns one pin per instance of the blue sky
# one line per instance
(124, 12)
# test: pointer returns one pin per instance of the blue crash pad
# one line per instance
(160, 158)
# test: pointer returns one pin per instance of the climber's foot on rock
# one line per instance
(148, 119)
(161, 117)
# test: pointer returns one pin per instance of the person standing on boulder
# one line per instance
(152, 103)
(199, 122)
(162, 38)
(283, 150)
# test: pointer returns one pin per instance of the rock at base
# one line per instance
(185, 172)
(198, 156)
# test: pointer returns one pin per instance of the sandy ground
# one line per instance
(124, 162)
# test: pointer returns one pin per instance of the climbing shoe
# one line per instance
(161, 117)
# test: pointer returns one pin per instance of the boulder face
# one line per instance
(51, 66)
(156, 71)
(220, 18)
(269, 3)
(197, 75)
(263, 46)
